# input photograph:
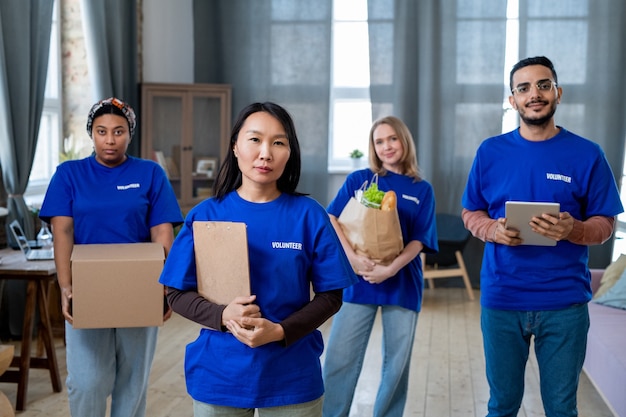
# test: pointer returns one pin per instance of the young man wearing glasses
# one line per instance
(528, 291)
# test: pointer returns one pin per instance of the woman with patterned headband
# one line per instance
(90, 201)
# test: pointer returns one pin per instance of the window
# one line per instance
(511, 56)
(619, 246)
(350, 106)
(47, 152)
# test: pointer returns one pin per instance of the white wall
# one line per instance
(167, 37)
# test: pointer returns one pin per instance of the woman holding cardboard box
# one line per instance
(395, 285)
(108, 197)
(260, 351)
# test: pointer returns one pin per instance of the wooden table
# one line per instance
(39, 275)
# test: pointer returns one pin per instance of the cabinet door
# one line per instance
(185, 128)
(207, 135)
(163, 132)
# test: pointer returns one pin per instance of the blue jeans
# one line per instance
(345, 351)
(560, 345)
(104, 362)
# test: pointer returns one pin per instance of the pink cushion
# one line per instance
(605, 363)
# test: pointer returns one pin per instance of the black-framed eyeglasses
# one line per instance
(543, 86)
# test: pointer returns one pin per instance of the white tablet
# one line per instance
(518, 215)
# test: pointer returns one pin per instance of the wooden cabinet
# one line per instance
(186, 128)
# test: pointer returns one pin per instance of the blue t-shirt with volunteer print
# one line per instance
(416, 211)
(111, 205)
(566, 169)
(292, 247)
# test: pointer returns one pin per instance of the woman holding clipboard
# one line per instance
(261, 351)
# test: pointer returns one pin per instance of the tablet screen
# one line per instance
(518, 215)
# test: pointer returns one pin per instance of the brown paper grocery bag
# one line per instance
(372, 232)
(221, 260)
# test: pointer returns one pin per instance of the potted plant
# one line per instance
(356, 156)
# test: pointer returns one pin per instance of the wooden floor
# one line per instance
(447, 370)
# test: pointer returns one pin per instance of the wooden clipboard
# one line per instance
(221, 250)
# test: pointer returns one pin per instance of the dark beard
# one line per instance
(541, 121)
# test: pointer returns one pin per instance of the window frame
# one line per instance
(341, 95)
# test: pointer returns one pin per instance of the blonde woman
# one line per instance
(395, 288)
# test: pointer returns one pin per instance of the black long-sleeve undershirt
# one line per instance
(193, 306)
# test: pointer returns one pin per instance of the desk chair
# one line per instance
(448, 263)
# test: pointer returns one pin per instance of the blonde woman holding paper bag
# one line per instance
(261, 351)
(373, 231)
(395, 287)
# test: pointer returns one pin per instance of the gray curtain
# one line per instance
(439, 65)
(24, 48)
(443, 77)
(590, 60)
(111, 40)
(273, 50)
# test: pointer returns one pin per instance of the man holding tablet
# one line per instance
(537, 287)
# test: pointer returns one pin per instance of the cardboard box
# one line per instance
(221, 260)
(117, 285)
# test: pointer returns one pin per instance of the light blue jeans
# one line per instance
(345, 351)
(308, 409)
(560, 345)
(104, 362)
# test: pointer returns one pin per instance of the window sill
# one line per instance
(346, 169)
(35, 194)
